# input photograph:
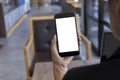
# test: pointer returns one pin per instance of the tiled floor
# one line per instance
(12, 65)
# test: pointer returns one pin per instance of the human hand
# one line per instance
(60, 64)
(61, 61)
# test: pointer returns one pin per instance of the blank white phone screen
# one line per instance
(67, 34)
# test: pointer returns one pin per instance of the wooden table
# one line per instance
(76, 5)
(44, 70)
(71, 1)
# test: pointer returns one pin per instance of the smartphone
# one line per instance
(66, 32)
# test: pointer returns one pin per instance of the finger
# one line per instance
(79, 34)
(53, 42)
(54, 48)
(79, 39)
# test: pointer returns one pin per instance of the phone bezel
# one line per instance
(66, 15)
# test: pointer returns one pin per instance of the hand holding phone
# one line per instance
(66, 33)
(60, 64)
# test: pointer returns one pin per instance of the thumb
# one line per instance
(53, 42)
(54, 51)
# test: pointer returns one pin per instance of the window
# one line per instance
(96, 21)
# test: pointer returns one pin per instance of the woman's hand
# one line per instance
(60, 64)
(61, 61)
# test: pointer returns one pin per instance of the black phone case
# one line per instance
(65, 15)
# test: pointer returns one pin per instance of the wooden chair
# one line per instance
(31, 40)
(36, 3)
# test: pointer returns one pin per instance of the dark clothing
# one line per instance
(107, 70)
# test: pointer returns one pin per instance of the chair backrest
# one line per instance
(43, 33)
(42, 30)
(109, 45)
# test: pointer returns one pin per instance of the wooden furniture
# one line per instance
(71, 1)
(44, 71)
(76, 5)
(32, 39)
(70, 6)
(44, 1)
(66, 7)
(37, 3)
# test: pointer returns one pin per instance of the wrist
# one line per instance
(59, 71)
(60, 63)
(61, 67)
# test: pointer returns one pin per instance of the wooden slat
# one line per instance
(42, 18)
(31, 27)
(70, 1)
(29, 42)
(33, 48)
(89, 50)
(27, 57)
(9, 33)
(27, 60)
(44, 1)
(88, 46)
(78, 23)
(76, 5)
